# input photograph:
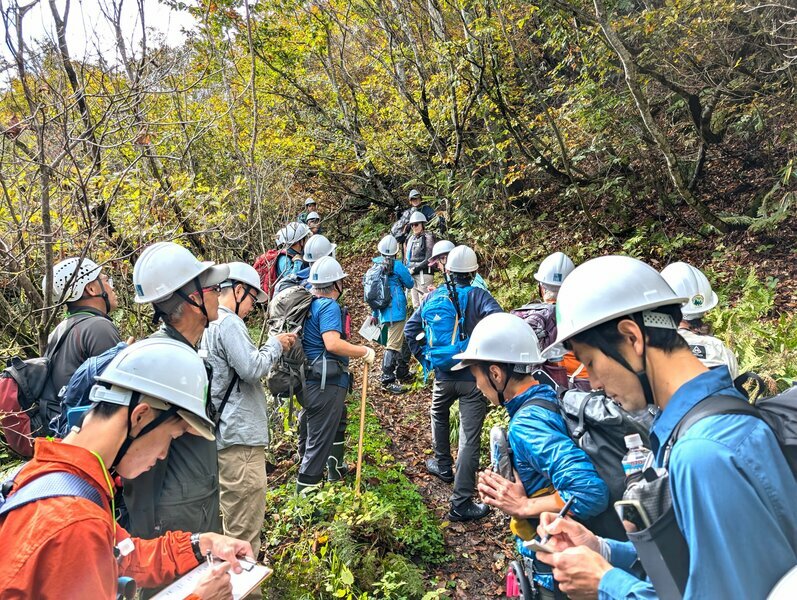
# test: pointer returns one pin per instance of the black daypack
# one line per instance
(376, 286)
(287, 313)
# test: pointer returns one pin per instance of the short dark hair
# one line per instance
(505, 367)
(606, 336)
(106, 410)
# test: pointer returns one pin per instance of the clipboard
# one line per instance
(369, 331)
(243, 583)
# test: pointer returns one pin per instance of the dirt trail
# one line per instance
(480, 550)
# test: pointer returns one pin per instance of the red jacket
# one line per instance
(63, 547)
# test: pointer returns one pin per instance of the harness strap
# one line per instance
(51, 485)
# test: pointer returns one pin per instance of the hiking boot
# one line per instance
(444, 473)
(393, 387)
(468, 511)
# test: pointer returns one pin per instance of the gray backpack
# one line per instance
(376, 286)
(599, 426)
(287, 313)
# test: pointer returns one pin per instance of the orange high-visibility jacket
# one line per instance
(63, 547)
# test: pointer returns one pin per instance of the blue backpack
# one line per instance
(444, 327)
(75, 400)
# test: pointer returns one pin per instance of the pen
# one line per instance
(209, 558)
(561, 514)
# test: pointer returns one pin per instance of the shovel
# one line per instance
(362, 432)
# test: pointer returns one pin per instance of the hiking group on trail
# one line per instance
(633, 464)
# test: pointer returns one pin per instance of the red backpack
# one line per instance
(266, 267)
(24, 398)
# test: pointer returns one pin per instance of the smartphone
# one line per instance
(535, 546)
(633, 512)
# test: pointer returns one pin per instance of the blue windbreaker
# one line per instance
(399, 280)
(545, 455)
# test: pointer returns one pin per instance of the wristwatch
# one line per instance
(195, 547)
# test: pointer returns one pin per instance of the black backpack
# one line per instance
(376, 286)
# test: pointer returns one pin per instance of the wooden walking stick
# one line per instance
(362, 432)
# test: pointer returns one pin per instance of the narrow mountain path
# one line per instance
(480, 551)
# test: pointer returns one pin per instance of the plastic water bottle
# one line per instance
(635, 459)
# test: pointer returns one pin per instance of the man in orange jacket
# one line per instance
(60, 539)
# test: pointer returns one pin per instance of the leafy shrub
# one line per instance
(336, 544)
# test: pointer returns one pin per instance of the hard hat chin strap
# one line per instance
(200, 306)
(163, 416)
(642, 374)
(506, 370)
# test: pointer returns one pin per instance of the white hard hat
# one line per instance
(244, 273)
(605, 288)
(292, 233)
(67, 285)
(415, 194)
(417, 217)
(309, 201)
(690, 281)
(313, 215)
(163, 369)
(441, 247)
(462, 259)
(317, 247)
(326, 270)
(554, 268)
(501, 338)
(786, 588)
(165, 267)
(388, 246)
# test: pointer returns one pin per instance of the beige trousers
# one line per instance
(395, 336)
(422, 283)
(242, 483)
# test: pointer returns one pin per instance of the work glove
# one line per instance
(370, 355)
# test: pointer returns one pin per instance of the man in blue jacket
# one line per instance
(449, 386)
(501, 354)
(395, 363)
(731, 488)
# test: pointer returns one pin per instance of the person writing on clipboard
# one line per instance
(57, 513)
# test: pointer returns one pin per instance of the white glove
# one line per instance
(370, 355)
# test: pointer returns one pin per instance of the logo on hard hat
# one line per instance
(139, 289)
(698, 300)
(557, 277)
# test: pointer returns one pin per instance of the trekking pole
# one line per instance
(362, 432)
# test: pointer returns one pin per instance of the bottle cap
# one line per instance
(633, 441)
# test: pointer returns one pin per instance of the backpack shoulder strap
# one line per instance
(542, 403)
(713, 405)
(226, 398)
(63, 337)
(52, 485)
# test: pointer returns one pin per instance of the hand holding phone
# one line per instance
(536, 545)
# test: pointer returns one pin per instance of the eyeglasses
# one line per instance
(417, 224)
(212, 288)
(109, 281)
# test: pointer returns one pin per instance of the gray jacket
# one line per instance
(231, 350)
